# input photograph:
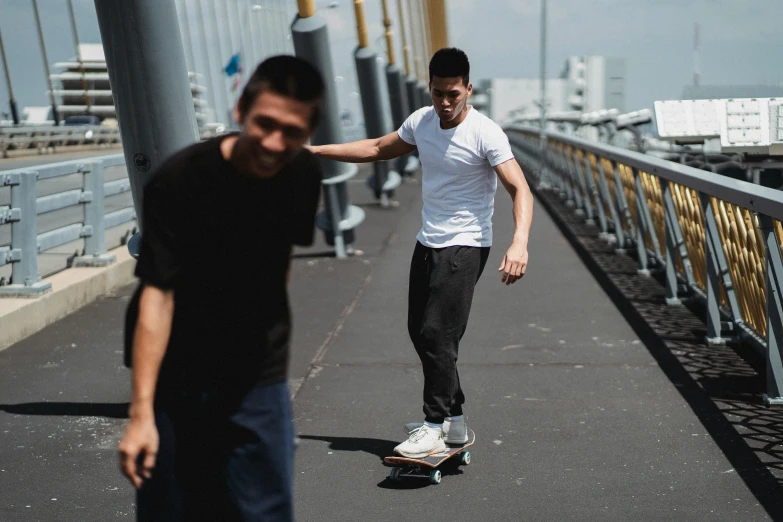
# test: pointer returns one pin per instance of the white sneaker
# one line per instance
(422, 442)
(454, 432)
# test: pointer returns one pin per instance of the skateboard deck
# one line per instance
(426, 467)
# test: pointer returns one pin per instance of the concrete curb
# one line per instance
(71, 289)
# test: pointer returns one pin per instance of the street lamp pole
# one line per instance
(78, 54)
(542, 140)
(11, 100)
(55, 115)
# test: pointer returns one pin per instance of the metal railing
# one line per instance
(52, 137)
(27, 243)
(719, 237)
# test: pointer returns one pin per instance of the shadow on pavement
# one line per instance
(379, 447)
(118, 410)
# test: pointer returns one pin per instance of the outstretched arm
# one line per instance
(515, 261)
(384, 148)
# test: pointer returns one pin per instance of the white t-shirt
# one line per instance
(458, 180)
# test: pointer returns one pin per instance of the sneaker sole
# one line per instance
(420, 455)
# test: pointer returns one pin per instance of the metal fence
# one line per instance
(719, 237)
(21, 214)
(47, 138)
(44, 138)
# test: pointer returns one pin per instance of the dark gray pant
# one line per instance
(440, 293)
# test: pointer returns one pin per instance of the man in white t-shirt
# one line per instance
(462, 153)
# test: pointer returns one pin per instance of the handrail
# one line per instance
(765, 200)
(27, 243)
(718, 237)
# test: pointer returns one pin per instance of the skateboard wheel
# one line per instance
(394, 474)
(435, 476)
(466, 457)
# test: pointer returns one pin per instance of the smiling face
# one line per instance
(277, 127)
(450, 99)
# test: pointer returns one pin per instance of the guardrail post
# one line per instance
(670, 218)
(774, 272)
(95, 243)
(586, 203)
(618, 226)
(679, 241)
(716, 268)
(646, 217)
(642, 228)
(596, 195)
(565, 173)
(25, 279)
(622, 201)
(576, 192)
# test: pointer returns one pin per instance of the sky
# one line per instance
(742, 40)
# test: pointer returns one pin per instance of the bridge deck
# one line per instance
(578, 416)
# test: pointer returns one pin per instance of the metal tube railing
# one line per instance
(717, 238)
(27, 243)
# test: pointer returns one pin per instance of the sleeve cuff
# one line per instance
(503, 159)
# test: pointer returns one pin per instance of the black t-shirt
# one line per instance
(222, 241)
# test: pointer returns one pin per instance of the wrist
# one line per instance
(141, 410)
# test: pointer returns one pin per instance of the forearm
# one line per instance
(523, 214)
(151, 337)
(355, 152)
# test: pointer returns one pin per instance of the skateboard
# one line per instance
(427, 467)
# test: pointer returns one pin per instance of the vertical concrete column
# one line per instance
(150, 86)
(398, 95)
(340, 218)
(383, 181)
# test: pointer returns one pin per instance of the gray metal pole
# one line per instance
(544, 173)
(150, 87)
(252, 36)
(377, 124)
(311, 43)
(11, 100)
(426, 97)
(76, 46)
(209, 78)
(383, 182)
(247, 59)
(187, 41)
(398, 95)
(264, 36)
(222, 55)
(52, 99)
(231, 101)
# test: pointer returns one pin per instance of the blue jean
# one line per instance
(222, 465)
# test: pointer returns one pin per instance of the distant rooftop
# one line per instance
(723, 92)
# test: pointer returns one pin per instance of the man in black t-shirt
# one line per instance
(210, 435)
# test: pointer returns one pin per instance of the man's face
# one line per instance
(278, 128)
(449, 96)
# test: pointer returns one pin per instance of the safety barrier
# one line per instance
(52, 137)
(27, 243)
(718, 237)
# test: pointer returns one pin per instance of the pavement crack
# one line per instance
(315, 366)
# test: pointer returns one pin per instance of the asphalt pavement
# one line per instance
(575, 417)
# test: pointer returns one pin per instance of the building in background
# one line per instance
(587, 84)
(84, 88)
(727, 92)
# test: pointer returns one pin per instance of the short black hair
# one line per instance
(450, 62)
(287, 76)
